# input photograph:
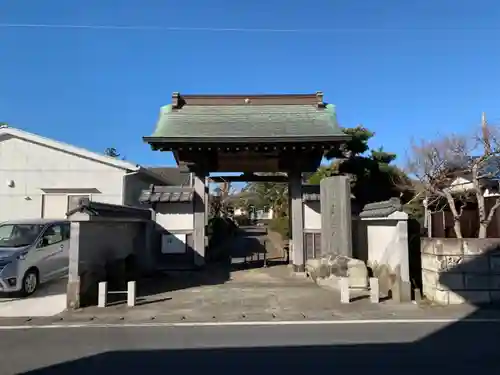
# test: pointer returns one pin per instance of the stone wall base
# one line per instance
(450, 289)
(456, 271)
(326, 271)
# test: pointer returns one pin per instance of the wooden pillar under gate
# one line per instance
(297, 220)
(199, 208)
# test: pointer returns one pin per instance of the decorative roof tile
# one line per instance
(167, 194)
(311, 197)
(106, 210)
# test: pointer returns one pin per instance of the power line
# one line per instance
(160, 28)
(224, 29)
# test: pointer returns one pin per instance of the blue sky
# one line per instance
(402, 68)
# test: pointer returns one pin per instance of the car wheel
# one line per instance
(30, 283)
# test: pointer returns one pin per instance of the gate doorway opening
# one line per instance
(245, 213)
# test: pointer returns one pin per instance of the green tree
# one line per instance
(271, 195)
(220, 200)
(112, 152)
(373, 176)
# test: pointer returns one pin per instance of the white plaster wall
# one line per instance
(175, 216)
(312, 215)
(34, 167)
(388, 244)
(239, 212)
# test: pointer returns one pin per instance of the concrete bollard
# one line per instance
(265, 253)
(374, 290)
(418, 295)
(406, 291)
(102, 296)
(344, 290)
(401, 291)
(131, 293)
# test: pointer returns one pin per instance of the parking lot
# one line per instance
(49, 300)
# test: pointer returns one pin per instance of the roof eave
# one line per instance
(150, 174)
(175, 141)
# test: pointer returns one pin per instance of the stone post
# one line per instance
(336, 216)
(73, 289)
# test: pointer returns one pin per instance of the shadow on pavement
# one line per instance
(460, 349)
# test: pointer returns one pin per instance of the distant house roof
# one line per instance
(489, 168)
(172, 175)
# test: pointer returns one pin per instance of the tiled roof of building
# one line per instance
(168, 194)
(282, 116)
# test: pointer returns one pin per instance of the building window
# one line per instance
(74, 200)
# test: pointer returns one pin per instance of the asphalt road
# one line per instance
(403, 348)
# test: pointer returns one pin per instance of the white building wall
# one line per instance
(312, 215)
(175, 216)
(239, 212)
(29, 170)
(388, 243)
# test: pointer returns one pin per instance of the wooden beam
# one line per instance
(248, 178)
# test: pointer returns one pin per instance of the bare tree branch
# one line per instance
(437, 164)
(451, 169)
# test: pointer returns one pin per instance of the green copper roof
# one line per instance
(240, 121)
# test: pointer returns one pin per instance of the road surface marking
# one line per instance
(252, 323)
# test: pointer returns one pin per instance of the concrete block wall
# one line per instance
(99, 251)
(456, 271)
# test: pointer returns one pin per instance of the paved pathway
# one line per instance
(49, 300)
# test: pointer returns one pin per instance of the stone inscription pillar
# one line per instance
(336, 216)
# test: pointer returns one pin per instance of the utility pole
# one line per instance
(486, 134)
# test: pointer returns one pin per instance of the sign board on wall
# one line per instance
(173, 243)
